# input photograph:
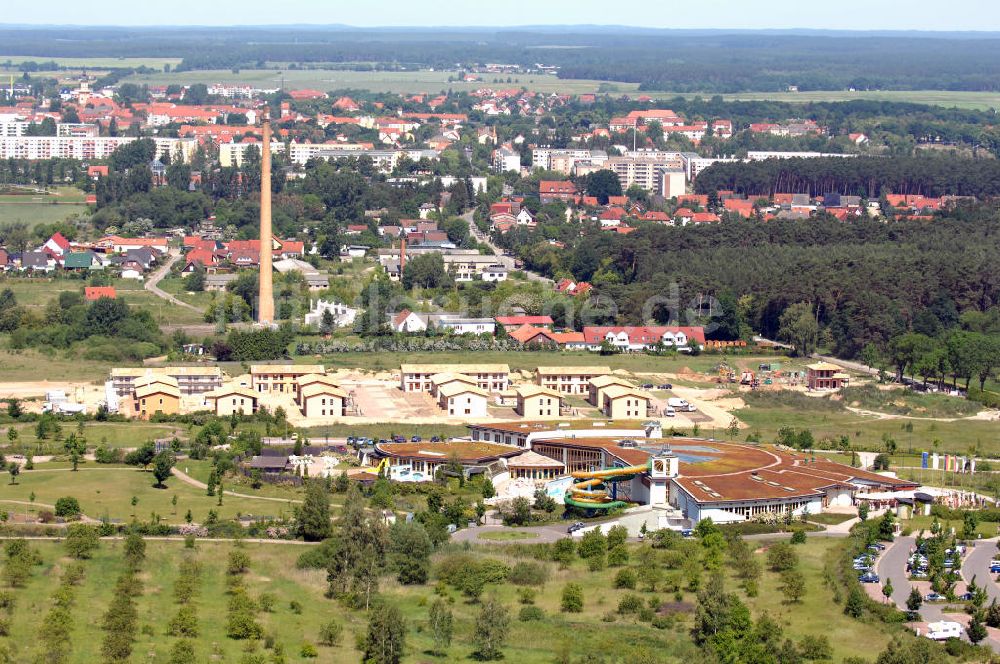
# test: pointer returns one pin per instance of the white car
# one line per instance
(944, 630)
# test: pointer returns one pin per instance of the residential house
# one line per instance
(155, 395)
(556, 190)
(232, 400)
(620, 402)
(460, 399)
(535, 401)
(597, 385)
(406, 322)
(513, 322)
(489, 377)
(218, 282)
(37, 261)
(640, 338)
(57, 245)
(82, 260)
(281, 378)
(826, 376)
(318, 395)
(570, 380)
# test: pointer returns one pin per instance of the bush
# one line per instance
(81, 541)
(308, 651)
(531, 613)
(799, 537)
(68, 507)
(815, 647)
(626, 578)
(618, 555)
(528, 574)
(572, 598)
(239, 562)
(630, 604)
(331, 633)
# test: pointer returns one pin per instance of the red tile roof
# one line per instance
(91, 293)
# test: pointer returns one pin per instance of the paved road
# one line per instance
(485, 239)
(157, 276)
(977, 564)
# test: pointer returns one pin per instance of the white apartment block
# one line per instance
(86, 147)
(231, 91)
(506, 159)
(564, 161)
(384, 160)
(648, 172)
(231, 154)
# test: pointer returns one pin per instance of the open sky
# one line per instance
(981, 15)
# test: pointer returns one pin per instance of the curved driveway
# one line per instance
(152, 284)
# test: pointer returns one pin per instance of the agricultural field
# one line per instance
(959, 99)
(379, 81)
(33, 207)
(91, 63)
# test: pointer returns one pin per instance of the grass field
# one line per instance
(34, 365)
(975, 100)
(35, 212)
(105, 492)
(112, 434)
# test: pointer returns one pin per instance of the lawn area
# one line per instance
(107, 491)
(35, 210)
(827, 421)
(508, 535)
(33, 365)
(175, 286)
(112, 434)
(817, 614)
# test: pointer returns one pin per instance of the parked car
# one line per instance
(994, 569)
(918, 574)
(415, 439)
(869, 577)
(647, 386)
(965, 597)
(934, 597)
(877, 546)
(575, 527)
(681, 405)
(668, 411)
(687, 532)
(435, 439)
(351, 440)
(666, 386)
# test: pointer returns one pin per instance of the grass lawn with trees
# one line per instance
(107, 491)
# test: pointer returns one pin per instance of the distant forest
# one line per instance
(678, 61)
(869, 177)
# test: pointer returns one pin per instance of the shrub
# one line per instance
(68, 507)
(528, 574)
(572, 598)
(799, 537)
(531, 613)
(626, 578)
(815, 647)
(630, 604)
(239, 562)
(81, 541)
(184, 623)
(308, 651)
(618, 555)
(330, 633)
(526, 595)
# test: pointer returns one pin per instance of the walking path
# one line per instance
(152, 284)
(187, 479)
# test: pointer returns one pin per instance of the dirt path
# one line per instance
(187, 479)
(152, 284)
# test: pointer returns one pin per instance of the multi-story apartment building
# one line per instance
(85, 148)
(190, 380)
(569, 380)
(489, 377)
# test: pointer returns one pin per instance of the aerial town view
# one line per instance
(546, 333)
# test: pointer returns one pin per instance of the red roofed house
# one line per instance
(92, 293)
(528, 335)
(307, 94)
(639, 338)
(56, 245)
(697, 200)
(556, 190)
(740, 207)
(704, 218)
(346, 104)
(513, 322)
(95, 172)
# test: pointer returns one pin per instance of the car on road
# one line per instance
(933, 597)
(666, 386)
(647, 386)
(435, 439)
(868, 577)
(877, 546)
(994, 569)
(415, 439)
(575, 527)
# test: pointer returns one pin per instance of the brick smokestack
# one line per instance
(265, 298)
(402, 254)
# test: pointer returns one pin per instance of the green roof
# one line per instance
(82, 259)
